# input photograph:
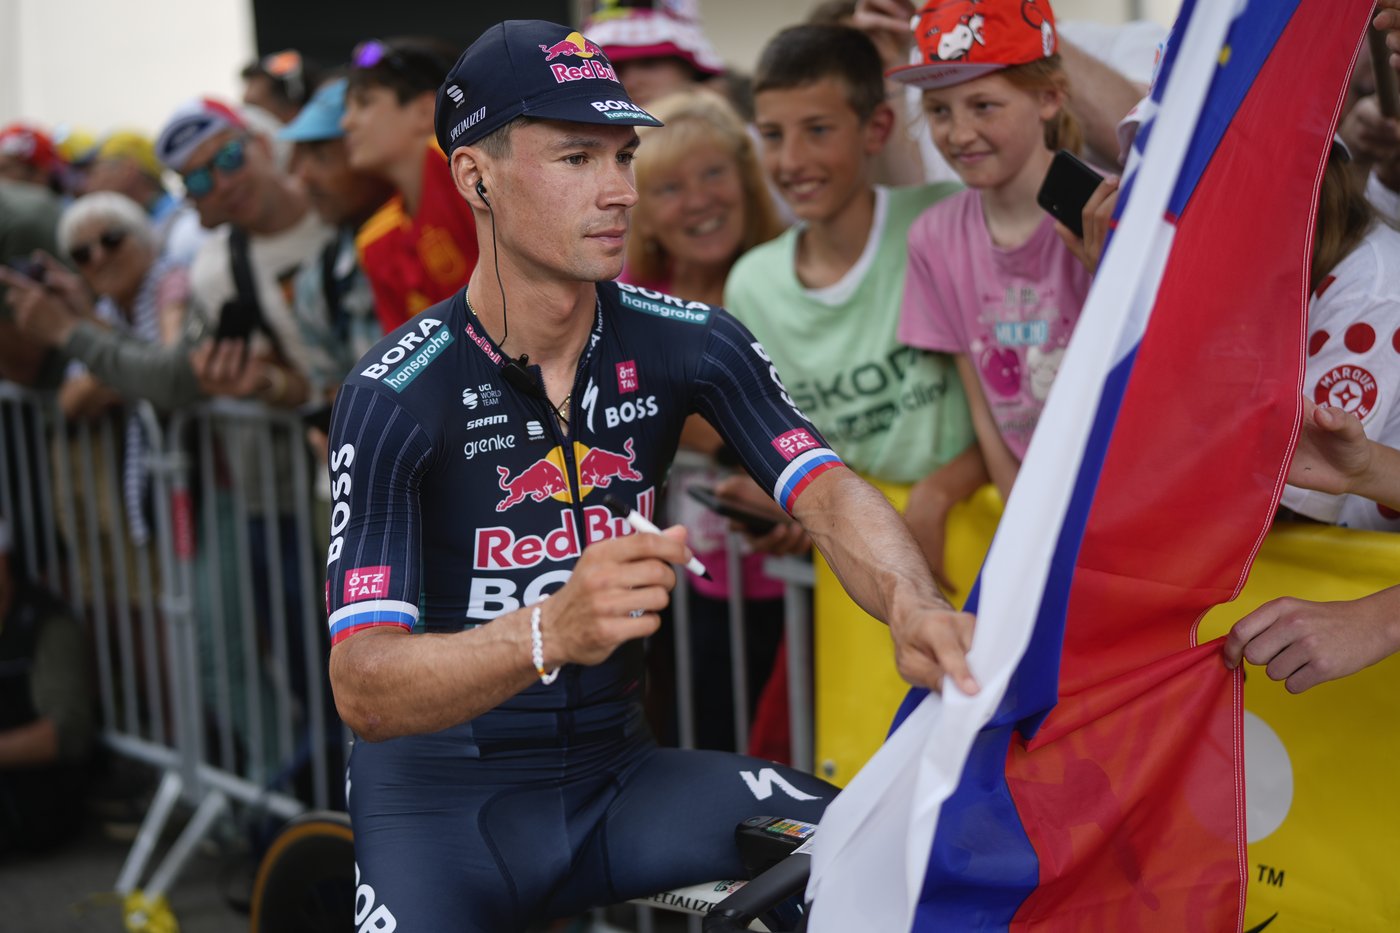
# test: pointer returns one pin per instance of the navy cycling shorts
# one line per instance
(451, 835)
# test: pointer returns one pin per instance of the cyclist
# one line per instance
(504, 773)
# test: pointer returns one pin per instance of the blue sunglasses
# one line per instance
(226, 161)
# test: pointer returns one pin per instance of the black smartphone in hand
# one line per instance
(755, 523)
(1067, 188)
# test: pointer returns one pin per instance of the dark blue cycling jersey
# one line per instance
(457, 497)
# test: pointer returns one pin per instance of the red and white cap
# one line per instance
(31, 145)
(188, 127)
(959, 40)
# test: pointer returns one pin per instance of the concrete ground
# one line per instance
(70, 890)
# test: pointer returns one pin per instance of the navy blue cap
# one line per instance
(530, 68)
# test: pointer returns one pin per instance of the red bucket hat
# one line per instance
(960, 40)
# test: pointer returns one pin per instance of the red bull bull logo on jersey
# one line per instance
(593, 64)
(547, 478)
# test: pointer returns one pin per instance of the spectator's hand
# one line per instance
(1332, 451)
(68, 285)
(616, 593)
(1388, 21)
(787, 537)
(886, 22)
(1098, 221)
(40, 313)
(1306, 643)
(226, 367)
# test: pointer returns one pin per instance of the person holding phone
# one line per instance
(989, 280)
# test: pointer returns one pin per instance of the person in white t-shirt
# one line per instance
(1353, 348)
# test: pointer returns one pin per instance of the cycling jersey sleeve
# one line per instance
(378, 452)
(739, 391)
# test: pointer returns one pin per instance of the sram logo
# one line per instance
(341, 461)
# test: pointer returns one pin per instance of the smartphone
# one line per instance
(236, 321)
(1067, 188)
(31, 269)
(756, 523)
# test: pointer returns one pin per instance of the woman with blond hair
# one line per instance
(702, 203)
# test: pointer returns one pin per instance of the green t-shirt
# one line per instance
(892, 412)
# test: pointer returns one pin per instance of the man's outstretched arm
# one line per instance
(878, 562)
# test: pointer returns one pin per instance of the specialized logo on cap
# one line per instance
(576, 46)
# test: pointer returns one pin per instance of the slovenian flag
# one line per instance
(1097, 781)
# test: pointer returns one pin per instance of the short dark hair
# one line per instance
(496, 143)
(409, 67)
(802, 55)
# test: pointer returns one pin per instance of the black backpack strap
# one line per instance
(243, 285)
(330, 287)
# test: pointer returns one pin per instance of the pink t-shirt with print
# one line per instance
(1010, 310)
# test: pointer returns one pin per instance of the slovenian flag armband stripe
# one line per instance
(800, 472)
(347, 620)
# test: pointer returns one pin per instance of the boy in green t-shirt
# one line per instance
(824, 297)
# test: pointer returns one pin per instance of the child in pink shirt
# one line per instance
(989, 280)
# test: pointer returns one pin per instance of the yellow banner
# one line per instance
(1323, 766)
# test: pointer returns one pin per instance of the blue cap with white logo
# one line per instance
(530, 68)
(320, 118)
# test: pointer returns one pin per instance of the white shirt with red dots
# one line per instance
(1353, 363)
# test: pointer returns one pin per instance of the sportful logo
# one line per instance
(455, 92)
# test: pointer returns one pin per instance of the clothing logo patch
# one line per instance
(1349, 388)
(593, 65)
(427, 345)
(475, 423)
(547, 478)
(534, 430)
(794, 442)
(627, 376)
(366, 583)
(649, 301)
(489, 445)
(761, 785)
(484, 394)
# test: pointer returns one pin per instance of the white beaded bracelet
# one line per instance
(537, 647)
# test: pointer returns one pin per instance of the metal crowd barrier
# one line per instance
(192, 549)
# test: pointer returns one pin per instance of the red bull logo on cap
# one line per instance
(547, 478)
(594, 64)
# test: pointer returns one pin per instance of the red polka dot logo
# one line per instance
(1349, 388)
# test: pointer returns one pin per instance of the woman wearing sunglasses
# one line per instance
(112, 244)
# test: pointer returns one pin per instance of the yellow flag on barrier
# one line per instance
(1321, 766)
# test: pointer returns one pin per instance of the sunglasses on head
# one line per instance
(373, 53)
(199, 182)
(109, 240)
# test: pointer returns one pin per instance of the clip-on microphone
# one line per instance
(515, 371)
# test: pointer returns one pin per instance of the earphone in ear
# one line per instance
(481, 190)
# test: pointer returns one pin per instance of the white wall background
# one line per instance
(100, 64)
